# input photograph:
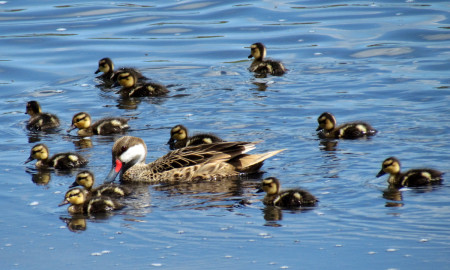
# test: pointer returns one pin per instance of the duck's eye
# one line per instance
(124, 148)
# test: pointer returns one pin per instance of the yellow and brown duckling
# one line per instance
(40, 120)
(82, 203)
(411, 178)
(179, 138)
(288, 198)
(328, 129)
(61, 161)
(202, 162)
(264, 66)
(86, 179)
(109, 76)
(105, 126)
(132, 88)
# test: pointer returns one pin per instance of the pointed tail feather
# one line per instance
(252, 163)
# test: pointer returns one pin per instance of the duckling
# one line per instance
(82, 203)
(193, 163)
(109, 76)
(105, 126)
(132, 88)
(286, 198)
(179, 138)
(264, 66)
(86, 179)
(62, 161)
(39, 120)
(411, 178)
(328, 129)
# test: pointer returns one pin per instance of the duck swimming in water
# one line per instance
(179, 138)
(40, 120)
(285, 198)
(62, 161)
(104, 126)
(263, 66)
(109, 75)
(328, 129)
(132, 88)
(410, 178)
(82, 203)
(202, 162)
(86, 179)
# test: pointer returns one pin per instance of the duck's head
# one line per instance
(74, 196)
(33, 108)
(126, 152)
(80, 120)
(257, 51)
(177, 133)
(105, 65)
(127, 78)
(390, 165)
(326, 121)
(85, 179)
(39, 152)
(270, 185)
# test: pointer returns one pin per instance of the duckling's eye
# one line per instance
(80, 119)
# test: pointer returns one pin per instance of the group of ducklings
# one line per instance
(198, 157)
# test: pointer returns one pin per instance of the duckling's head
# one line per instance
(105, 65)
(80, 120)
(85, 179)
(39, 152)
(177, 133)
(257, 51)
(127, 78)
(326, 121)
(33, 108)
(74, 196)
(390, 165)
(270, 185)
(126, 152)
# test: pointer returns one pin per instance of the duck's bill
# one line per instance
(381, 173)
(250, 56)
(97, 71)
(28, 160)
(72, 127)
(64, 202)
(115, 170)
(74, 184)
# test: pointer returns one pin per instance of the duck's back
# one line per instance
(43, 121)
(67, 161)
(420, 177)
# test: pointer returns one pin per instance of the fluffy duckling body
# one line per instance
(411, 178)
(61, 161)
(40, 120)
(82, 203)
(179, 138)
(132, 88)
(264, 66)
(86, 179)
(328, 129)
(288, 198)
(109, 76)
(105, 126)
(193, 163)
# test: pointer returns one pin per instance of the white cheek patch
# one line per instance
(137, 150)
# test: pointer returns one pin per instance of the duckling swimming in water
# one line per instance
(264, 66)
(202, 162)
(82, 203)
(287, 198)
(38, 119)
(328, 129)
(179, 138)
(411, 178)
(109, 76)
(105, 126)
(62, 161)
(86, 179)
(131, 88)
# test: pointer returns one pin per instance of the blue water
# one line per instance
(383, 62)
